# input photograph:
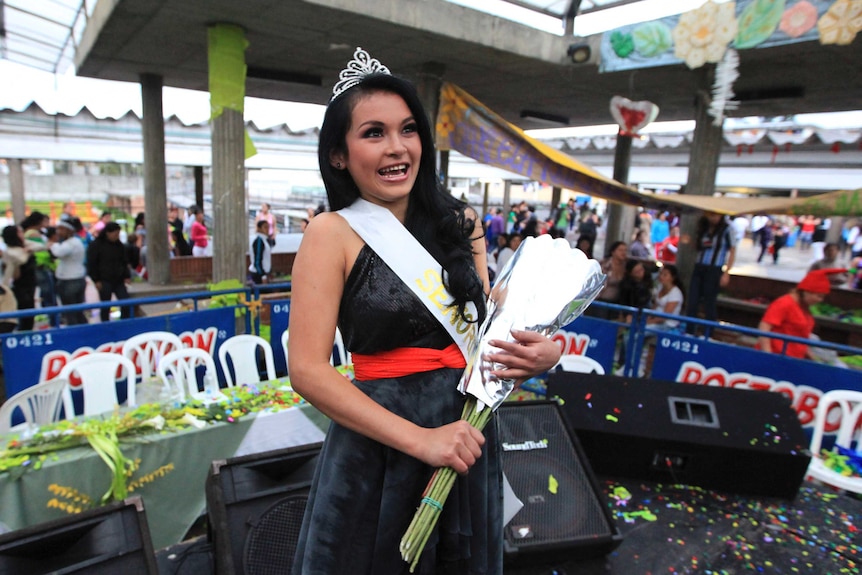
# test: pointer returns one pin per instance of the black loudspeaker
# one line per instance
(112, 539)
(255, 505)
(564, 515)
(735, 440)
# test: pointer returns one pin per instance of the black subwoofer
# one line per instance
(734, 440)
(255, 506)
(112, 539)
(564, 514)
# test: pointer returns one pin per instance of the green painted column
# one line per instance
(230, 148)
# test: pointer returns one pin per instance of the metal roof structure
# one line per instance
(296, 49)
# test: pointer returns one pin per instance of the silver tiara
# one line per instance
(362, 65)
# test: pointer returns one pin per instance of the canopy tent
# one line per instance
(847, 203)
(466, 125)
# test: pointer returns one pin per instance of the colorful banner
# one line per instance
(691, 360)
(31, 357)
(594, 338)
(464, 124)
(701, 35)
(279, 316)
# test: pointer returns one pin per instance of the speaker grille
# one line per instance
(542, 465)
(271, 542)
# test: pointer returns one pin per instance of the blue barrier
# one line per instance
(676, 356)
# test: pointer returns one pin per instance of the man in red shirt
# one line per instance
(791, 315)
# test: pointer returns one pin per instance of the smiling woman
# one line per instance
(395, 309)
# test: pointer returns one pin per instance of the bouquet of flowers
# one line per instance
(544, 286)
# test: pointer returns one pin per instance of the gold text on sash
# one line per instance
(432, 286)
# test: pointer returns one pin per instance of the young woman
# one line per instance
(668, 298)
(400, 419)
(636, 286)
(614, 266)
(199, 235)
(19, 273)
(265, 215)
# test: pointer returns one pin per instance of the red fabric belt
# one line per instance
(405, 361)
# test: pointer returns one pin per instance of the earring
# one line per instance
(338, 165)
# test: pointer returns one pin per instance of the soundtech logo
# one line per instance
(526, 445)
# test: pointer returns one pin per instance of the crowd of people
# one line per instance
(641, 272)
(46, 264)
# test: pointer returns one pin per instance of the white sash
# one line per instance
(382, 231)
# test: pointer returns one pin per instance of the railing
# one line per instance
(637, 331)
(251, 294)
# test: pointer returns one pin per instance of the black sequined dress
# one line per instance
(364, 493)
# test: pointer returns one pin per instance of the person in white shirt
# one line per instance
(668, 298)
(506, 253)
(739, 225)
(758, 223)
(71, 272)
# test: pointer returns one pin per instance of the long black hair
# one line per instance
(436, 219)
(10, 237)
(674, 273)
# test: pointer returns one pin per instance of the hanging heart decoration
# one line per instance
(632, 116)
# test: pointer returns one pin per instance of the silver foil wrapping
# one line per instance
(544, 286)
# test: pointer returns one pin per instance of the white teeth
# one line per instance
(398, 168)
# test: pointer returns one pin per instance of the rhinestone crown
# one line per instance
(362, 65)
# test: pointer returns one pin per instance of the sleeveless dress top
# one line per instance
(379, 312)
(364, 494)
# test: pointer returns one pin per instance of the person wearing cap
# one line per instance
(791, 314)
(108, 268)
(71, 272)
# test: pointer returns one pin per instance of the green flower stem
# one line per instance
(425, 519)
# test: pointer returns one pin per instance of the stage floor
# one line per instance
(674, 529)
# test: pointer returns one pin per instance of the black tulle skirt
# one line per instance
(365, 494)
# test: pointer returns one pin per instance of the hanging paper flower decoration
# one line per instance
(758, 21)
(623, 44)
(702, 35)
(841, 22)
(798, 19)
(652, 38)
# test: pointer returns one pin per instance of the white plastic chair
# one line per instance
(284, 340)
(849, 406)
(146, 349)
(580, 364)
(40, 404)
(99, 372)
(242, 351)
(180, 366)
(344, 356)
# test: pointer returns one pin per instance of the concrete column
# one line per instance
(230, 229)
(199, 185)
(227, 74)
(485, 199)
(16, 189)
(507, 198)
(155, 180)
(428, 84)
(621, 218)
(443, 167)
(703, 165)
